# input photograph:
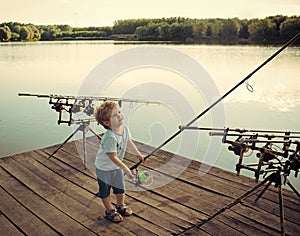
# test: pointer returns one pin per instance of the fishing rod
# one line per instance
(94, 98)
(268, 136)
(297, 36)
(239, 130)
(85, 104)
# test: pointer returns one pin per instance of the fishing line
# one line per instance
(221, 98)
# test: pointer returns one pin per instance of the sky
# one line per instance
(83, 13)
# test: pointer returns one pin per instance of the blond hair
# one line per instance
(103, 112)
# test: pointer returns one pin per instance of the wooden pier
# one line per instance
(56, 196)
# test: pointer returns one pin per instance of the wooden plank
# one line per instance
(188, 198)
(74, 212)
(194, 167)
(63, 186)
(185, 188)
(214, 228)
(222, 181)
(228, 187)
(66, 171)
(193, 196)
(31, 212)
(271, 197)
(76, 192)
(142, 226)
(230, 223)
(159, 218)
(167, 205)
(246, 225)
(171, 228)
(291, 206)
(7, 228)
(194, 231)
(268, 220)
(163, 156)
(230, 181)
(28, 222)
(211, 184)
(68, 157)
(170, 223)
(291, 211)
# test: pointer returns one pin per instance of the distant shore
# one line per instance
(272, 30)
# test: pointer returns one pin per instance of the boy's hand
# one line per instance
(141, 158)
(128, 173)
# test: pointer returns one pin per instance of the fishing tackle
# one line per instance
(75, 104)
(297, 36)
(142, 178)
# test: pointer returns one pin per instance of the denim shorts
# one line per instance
(107, 180)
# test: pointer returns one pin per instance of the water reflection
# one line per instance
(281, 101)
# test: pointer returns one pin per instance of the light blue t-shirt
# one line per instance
(111, 142)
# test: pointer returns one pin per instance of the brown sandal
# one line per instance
(113, 216)
(124, 210)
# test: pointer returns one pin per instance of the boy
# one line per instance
(109, 165)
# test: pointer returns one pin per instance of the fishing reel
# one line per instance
(267, 153)
(266, 156)
(238, 147)
(142, 178)
(84, 105)
(59, 106)
(293, 162)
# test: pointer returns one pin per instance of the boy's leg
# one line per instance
(104, 194)
(121, 206)
(120, 199)
(104, 189)
(119, 187)
(107, 203)
(119, 191)
(111, 210)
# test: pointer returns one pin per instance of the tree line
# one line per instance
(270, 30)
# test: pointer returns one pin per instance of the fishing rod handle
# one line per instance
(135, 166)
(216, 133)
(33, 95)
(182, 127)
(24, 94)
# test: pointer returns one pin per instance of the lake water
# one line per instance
(28, 123)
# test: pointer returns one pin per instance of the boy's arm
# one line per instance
(114, 158)
(132, 149)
